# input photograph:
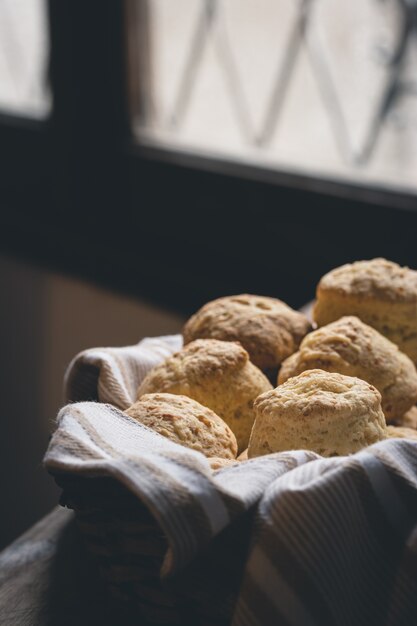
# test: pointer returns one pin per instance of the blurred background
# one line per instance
(157, 154)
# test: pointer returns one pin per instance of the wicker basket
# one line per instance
(129, 548)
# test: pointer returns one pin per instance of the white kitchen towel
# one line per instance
(333, 541)
(113, 374)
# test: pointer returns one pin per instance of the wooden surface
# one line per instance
(47, 578)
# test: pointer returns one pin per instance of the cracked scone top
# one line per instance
(350, 347)
(381, 293)
(327, 413)
(266, 327)
(219, 375)
(186, 422)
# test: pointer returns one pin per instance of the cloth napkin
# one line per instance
(331, 541)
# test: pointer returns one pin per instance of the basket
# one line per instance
(119, 530)
(129, 548)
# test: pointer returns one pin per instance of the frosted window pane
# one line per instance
(324, 87)
(24, 49)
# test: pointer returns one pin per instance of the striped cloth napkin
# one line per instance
(330, 541)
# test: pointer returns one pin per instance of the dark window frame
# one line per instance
(78, 194)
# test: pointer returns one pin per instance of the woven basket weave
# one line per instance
(129, 548)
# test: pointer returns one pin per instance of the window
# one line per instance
(24, 52)
(254, 163)
(322, 87)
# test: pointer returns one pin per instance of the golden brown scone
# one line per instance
(381, 293)
(328, 413)
(408, 420)
(243, 456)
(401, 432)
(351, 347)
(219, 375)
(217, 463)
(186, 422)
(266, 327)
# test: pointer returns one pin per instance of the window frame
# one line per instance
(64, 176)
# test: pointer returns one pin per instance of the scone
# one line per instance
(217, 463)
(266, 327)
(328, 413)
(351, 347)
(219, 375)
(186, 422)
(381, 293)
(243, 456)
(408, 420)
(401, 432)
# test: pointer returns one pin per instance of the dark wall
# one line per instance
(24, 497)
(45, 319)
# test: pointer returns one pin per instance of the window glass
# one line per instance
(318, 86)
(24, 49)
